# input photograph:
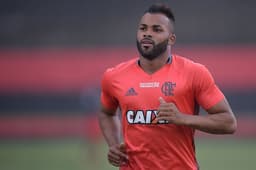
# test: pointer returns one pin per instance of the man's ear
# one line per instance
(172, 39)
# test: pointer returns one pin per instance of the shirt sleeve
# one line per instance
(206, 91)
(107, 98)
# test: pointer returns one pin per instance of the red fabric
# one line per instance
(151, 145)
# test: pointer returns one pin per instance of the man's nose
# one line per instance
(147, 35)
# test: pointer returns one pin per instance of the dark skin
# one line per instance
(220, 119)
(158, 28)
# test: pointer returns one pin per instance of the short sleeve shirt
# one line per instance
(161, 146)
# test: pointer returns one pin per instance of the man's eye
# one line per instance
(142, 28)
(157, 30)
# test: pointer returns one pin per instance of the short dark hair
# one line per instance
(162, 9)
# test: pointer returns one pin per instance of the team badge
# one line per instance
(168, 88)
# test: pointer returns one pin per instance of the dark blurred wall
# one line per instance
(114, 22)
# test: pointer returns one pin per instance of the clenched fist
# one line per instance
(117, 155)
(170, 113)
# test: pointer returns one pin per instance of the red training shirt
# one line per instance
(160, 146)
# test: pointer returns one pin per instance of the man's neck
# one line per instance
(151, 66)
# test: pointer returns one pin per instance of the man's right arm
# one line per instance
(110, 126)
(111, 129)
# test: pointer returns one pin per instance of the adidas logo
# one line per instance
(131, 92)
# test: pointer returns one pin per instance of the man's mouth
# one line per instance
(146, 43)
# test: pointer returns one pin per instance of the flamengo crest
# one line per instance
(168, 88)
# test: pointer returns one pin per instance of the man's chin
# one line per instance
(149, 57)
(147, 52)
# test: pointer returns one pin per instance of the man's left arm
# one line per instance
(220, 118)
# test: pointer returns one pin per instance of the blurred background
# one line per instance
(52, 57)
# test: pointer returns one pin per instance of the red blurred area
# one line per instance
(61, 70)
(74, 70)
(48, 127)
(55, 70)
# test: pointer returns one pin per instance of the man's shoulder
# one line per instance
(191, 68)
(187, 62)
(121, 67)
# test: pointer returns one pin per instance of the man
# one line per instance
(159, 95)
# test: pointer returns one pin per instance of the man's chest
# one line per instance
(144, 92)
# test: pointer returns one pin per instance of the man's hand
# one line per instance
(170, 113)
(117, 155)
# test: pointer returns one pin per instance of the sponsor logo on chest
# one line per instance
(149, 84)
(143, 117)
(167, 88)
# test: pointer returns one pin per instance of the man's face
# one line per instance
(154, 35)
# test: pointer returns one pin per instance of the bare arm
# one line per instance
(111, 129)
(110, 126)
(220, 119)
